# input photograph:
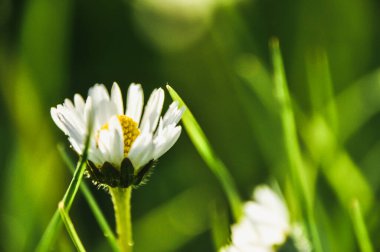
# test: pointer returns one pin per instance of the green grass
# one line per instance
(307, 117)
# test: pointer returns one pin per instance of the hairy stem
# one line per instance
(121, 198)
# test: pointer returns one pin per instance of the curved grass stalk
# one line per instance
(292, 148)
(70, 227)
(202, 145)
(105, 227)
(55, 223)
(51, 231)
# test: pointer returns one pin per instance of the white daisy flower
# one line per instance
(124, 144)
(264, 225)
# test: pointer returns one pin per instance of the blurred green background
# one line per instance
(215, 54)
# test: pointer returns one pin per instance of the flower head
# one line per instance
(124, 144)
(264, 225)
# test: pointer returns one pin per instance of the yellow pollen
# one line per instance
(130, 132)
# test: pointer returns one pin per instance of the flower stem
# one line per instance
(121, 198)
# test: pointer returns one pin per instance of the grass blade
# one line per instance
(105, 227)
(363, 95)
(220, 227)
(51, 231)
(288, 125)
(204, 148)
(360, 228)
(321, 88)
(336, 164)
(292, 148)
(70, 227)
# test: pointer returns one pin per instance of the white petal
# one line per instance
(57, 121)
(153, 110)
(71, 118)
(266, 223)
(96, 156)
(118, 141)
(145, 127)
(103, 112)
(79, 103)
(173, 115)
(165, 140)
(230, 248)
(68, 104)
(98, 93)
(265, 196)
(77, 145)
(104, 145)
(141, 150)
(71, 125)
(244, 233)
(89, 113)
(110, 144)
(135, 102)
(117, 98)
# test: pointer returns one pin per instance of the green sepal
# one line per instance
(108, 175)
(111, 174)
(94, 173)
(126, 173)
(144, 172)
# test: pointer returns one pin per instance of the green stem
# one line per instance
(360, 228)
(107, 231)
(51, 231)
(121, 198)
(70, 228)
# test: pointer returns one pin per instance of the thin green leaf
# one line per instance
(323, 138)
(337, 165)
(220, 227)
(256, 97)
(363, 95)
(70, 227)
(288, 124)
(321, 88)
(50, 233)
(360, 228)
(204, 148)
(320, 134)
(105, 227)
(292, 148)
(52, 229)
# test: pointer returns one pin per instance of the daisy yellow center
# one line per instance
(130, 131)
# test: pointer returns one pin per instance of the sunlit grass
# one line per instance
(205, 150)
(307, 118)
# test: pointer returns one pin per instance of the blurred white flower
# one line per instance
(265, 223)
(122, 142)
(183, 21)
(301, 241)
